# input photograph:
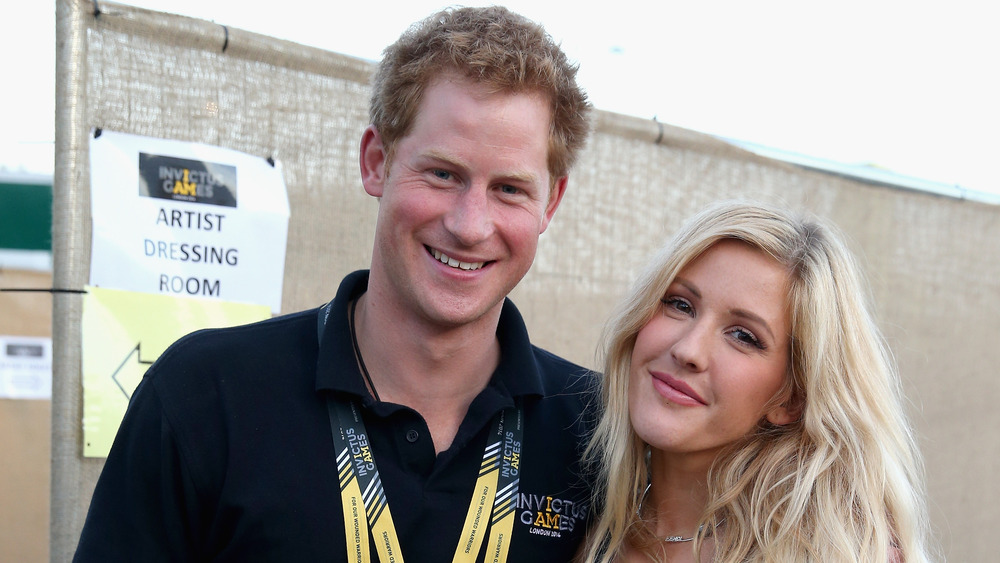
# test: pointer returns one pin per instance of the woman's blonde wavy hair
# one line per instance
(842, 483)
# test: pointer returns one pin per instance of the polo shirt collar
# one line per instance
(336, 369)
(516, 375)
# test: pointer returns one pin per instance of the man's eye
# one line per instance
(442, 174)
(509, 190)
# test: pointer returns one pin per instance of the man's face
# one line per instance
(462, 205)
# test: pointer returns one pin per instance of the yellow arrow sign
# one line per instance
(124, 332)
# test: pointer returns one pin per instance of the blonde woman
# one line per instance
(751, 408)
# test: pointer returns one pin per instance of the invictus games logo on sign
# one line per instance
(179, 179)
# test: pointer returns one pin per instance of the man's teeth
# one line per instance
(445, 259)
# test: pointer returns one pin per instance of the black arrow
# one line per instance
(135, 352)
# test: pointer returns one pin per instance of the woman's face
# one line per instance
(706, 367)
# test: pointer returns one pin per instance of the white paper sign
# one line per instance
(25, 367)
(186, 219)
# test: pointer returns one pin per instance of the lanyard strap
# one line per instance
(361, 488)
(497, 485)
(367, 509)
(493, 498)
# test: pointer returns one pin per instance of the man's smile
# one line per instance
(445, 259)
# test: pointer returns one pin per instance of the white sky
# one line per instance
(909, 86)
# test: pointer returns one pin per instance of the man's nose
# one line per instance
(470, 220)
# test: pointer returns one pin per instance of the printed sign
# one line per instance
(25, 367)
(186, 219)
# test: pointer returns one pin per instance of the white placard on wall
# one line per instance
(186, 219)
(25, 367)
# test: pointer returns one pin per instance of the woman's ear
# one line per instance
(780, 416)
(789, 411)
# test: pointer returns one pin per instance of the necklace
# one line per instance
(668, 539)
(361, 359)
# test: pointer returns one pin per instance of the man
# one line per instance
(410, 418)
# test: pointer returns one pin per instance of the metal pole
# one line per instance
(72, 479)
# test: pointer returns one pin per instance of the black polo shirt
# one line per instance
(226, 454)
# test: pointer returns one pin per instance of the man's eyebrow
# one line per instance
(434, 154)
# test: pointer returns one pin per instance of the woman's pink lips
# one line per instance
(676, 390)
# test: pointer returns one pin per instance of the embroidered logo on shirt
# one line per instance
(548, 515)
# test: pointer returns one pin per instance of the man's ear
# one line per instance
(555, 196)
(372, 160)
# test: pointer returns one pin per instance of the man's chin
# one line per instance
(461, 311)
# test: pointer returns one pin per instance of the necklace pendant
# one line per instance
(677, 539)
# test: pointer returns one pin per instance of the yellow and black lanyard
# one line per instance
(493, 499)
(366, 509)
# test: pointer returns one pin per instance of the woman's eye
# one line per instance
(678, 304)
(746, 337)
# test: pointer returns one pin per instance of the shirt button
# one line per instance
(412, 436)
